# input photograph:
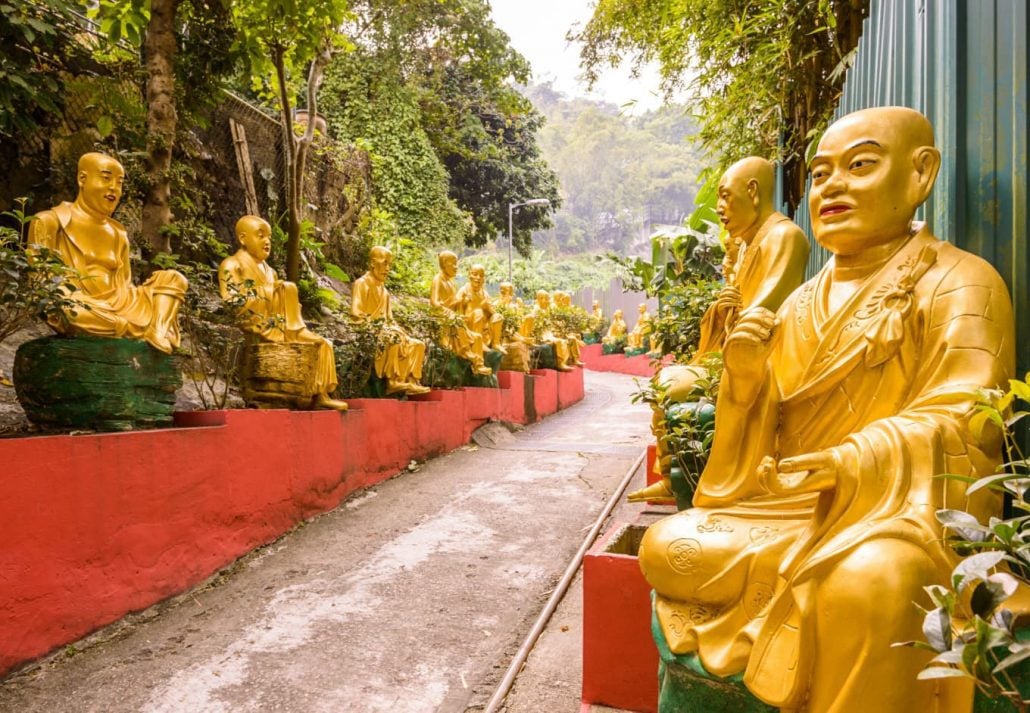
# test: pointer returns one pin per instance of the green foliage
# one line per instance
(678, 324)
(765, 77)
(32, 280)
(542, 271)
(970, 631)
(569, 320)
(355, 349)
(365, 105)
(38, 41)
(617, 171)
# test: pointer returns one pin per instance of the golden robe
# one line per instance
(272, 312)
(403, 356)
(479, 310)
(887, 383)
(772, 266)
(113, 306)
(463, 340)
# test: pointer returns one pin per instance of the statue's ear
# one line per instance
(926, 160)
(752, 191)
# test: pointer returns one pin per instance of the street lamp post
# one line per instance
(511, 209)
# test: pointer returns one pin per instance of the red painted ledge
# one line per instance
(96, 526)
(640, 365)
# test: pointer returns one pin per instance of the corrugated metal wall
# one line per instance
(964, 64)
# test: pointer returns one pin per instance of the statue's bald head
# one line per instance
(380, 253)
(753, 170)
(871, 171)
(94, 161)
(745, 196)
(249, 224)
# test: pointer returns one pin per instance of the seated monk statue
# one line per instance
(642, 329)
(616, 330)
(596, 318)
(564, 300)
(480, 315)
(271, 308)
(813, 531)
(562, 352)
(96, 246)
(443, 295)
(400, 360)
(765, 262)
(517, 345)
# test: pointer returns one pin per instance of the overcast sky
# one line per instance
(537, 29)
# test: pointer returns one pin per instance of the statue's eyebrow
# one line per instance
(870, 142)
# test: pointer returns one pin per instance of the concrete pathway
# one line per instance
(412, 596)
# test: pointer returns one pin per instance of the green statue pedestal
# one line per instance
(613, 347)
(95, 383)
(542, 356)
(591, 338)
(446, 370)
(636, 351)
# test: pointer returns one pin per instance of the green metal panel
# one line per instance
(964, 64)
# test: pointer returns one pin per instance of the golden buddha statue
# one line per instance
(765, 261)
(270, 309)
(813, 532)
(96, 246)
(562, 351)
(564, 301)
(616, 330)
(443, 295)
(516, 346)
(642, 329)
(479, 311)
(400, 360)
(596, 315)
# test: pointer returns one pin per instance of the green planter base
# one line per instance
(616, 348)
(542, 357)
(636, 352)
(95, 383)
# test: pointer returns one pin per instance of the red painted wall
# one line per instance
(96, 526)
(620, 660)
(639, 365)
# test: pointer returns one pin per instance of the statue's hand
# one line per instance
(808, 473)
(729, 296)
(747, 348)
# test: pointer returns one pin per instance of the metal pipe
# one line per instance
(504, 687)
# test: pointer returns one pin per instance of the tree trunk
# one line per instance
(159, 53)
(296, 151)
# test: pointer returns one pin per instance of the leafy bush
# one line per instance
(984, 646)
(678, 325)
(32, 282)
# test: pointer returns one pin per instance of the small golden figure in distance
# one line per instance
(813, 531)
(765, 261)
(94, 244)
(516, 346)
(270, 309)
(616, 330)
(480, 314)
(597, 313)
(400, 361)
(562, 352)
(564, 301)
(463, 341)
(642, 329)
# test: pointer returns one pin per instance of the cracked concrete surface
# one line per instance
(411, 596)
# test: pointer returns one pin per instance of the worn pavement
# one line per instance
(411, 596)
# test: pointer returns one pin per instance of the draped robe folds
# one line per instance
(111, 306)
(887, 383)
(479, 310)
(272, 311)
(402, 357)
(462, 340)
(765, 274)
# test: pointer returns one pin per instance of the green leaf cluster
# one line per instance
(763, 77)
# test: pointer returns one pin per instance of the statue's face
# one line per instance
(477, 276)
(380, 266)
(735, 206)
(862, 185)
(642, 308)
(507, 291)
(563, 299)
(596, 304)
(543, 300)
(449, 265)
(256, 238)
(617, 315)
(100, 184)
